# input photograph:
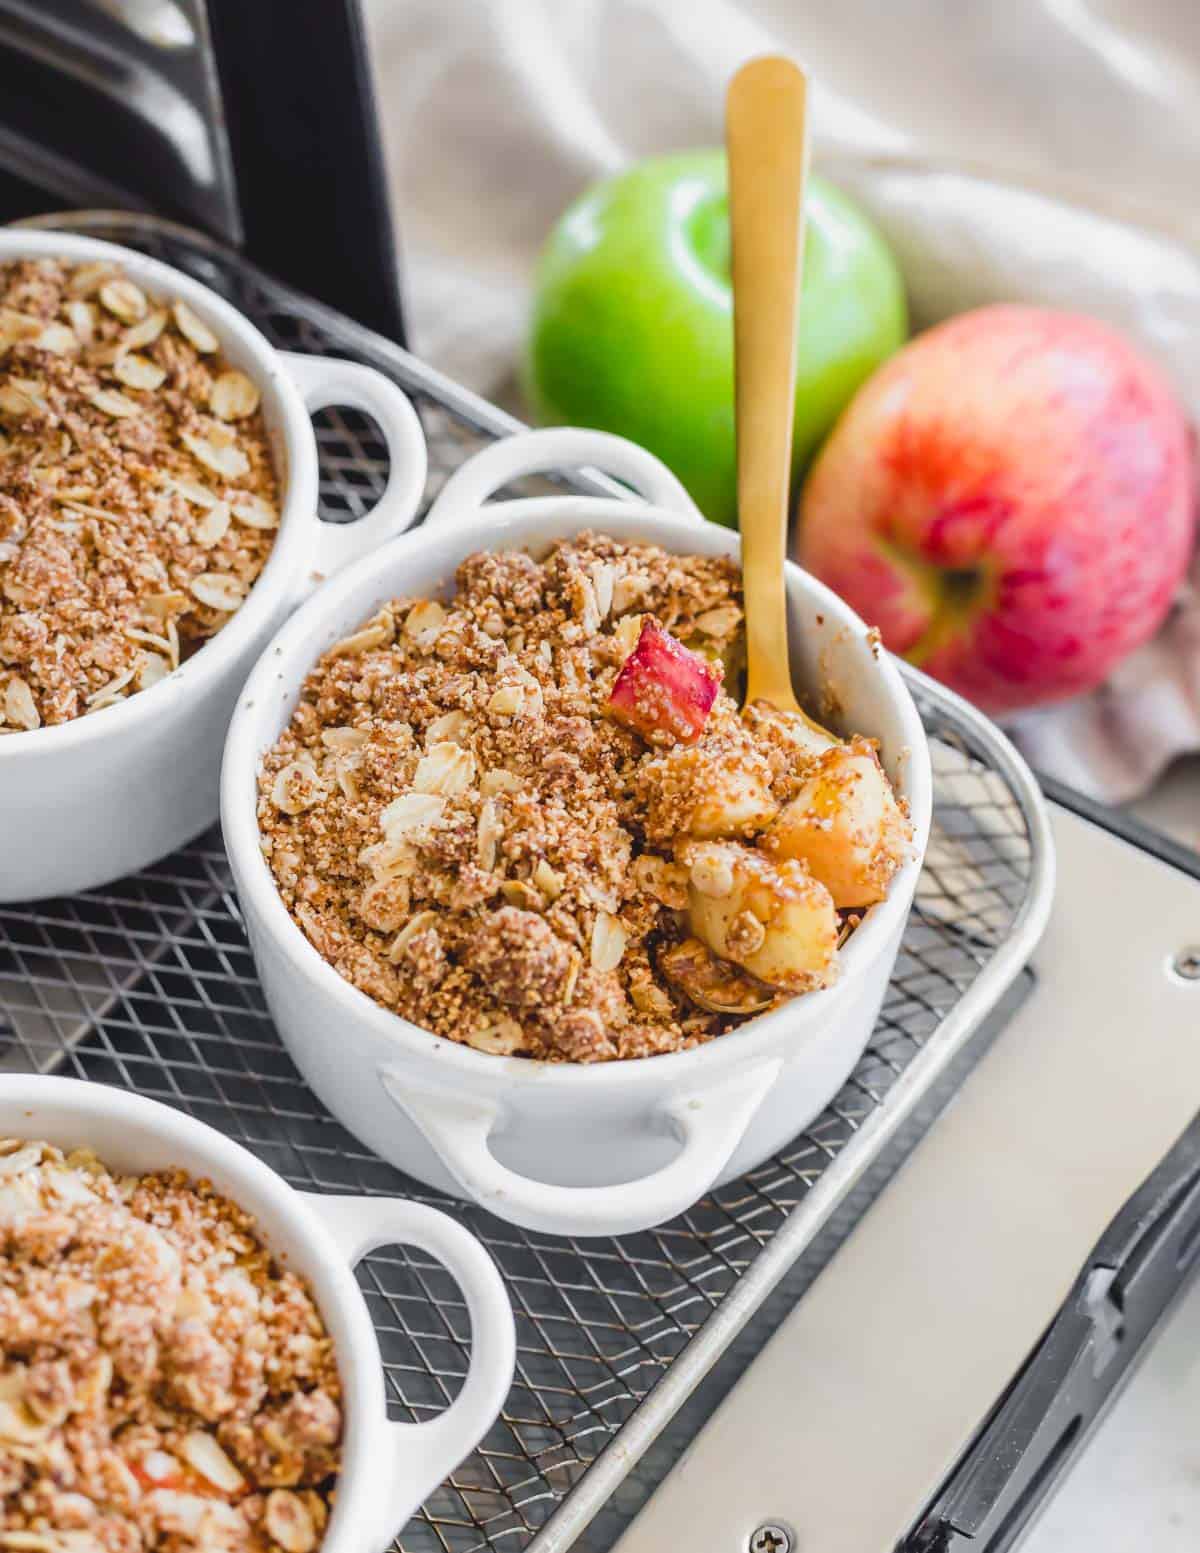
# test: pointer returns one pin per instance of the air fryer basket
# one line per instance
(149, 984)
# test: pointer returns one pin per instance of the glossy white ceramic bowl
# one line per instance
(87, 801)
(576, 1150)
(388, 1469)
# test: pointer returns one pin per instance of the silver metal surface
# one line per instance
(848, 1420)
(1186, 964)
(771, 1539)
(149, 984)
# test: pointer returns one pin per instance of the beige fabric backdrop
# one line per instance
(497, 112)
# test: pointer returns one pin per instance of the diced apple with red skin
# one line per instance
(664, 690)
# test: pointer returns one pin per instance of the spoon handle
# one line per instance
(766, 136)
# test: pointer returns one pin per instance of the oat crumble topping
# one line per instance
(138, 498)
(166, 1385)
(529, 818)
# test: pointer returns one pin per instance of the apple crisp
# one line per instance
(138, 498)
(165, 1384)
(531, 818)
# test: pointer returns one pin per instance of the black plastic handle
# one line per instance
(1138, 1266)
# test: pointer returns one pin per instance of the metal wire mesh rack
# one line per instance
(149, 984)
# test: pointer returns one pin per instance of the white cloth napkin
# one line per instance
(496, 113)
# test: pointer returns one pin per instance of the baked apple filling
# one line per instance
(531, 817)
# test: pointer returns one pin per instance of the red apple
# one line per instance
(664, 690)
(1010, 500)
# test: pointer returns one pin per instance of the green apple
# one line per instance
(632, 327)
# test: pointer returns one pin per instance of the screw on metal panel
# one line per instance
(1186, 963)
(771, 1539)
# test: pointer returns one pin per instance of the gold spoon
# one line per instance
(766, 137)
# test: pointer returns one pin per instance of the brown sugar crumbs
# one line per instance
(530, 818)
(138, 498)
(165, 1385)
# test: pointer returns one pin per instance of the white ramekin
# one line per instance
(388, 1469)
(87, 801)
(574, 1150)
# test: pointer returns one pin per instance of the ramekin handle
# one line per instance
(709, 1125)
(424, 1455)
(328, 380)
(554, 448)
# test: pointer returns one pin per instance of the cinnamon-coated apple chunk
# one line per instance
(771, 918)
(789, 729)
(846, 825)
(717, 985)
(706, 793)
